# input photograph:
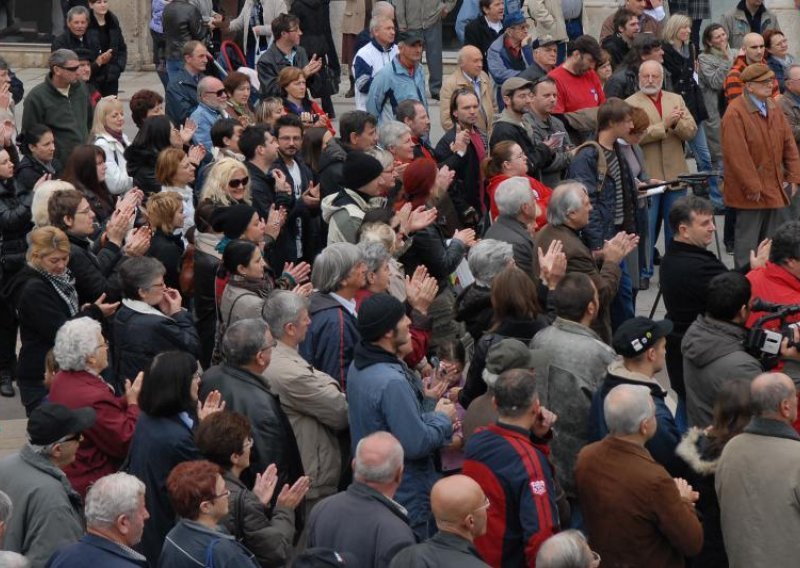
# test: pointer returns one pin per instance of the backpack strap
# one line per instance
(209, 560)
(602, 164)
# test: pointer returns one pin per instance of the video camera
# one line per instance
(765, 344)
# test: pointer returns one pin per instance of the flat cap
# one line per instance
(757, 72)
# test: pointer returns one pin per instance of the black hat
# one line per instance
(637, 335)
(49, 423)
(232, 221)
(320, 557)
(379, 314)
(360, 169)
(410, 37)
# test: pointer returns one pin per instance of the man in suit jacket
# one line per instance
(517, 206)
(567, 214)
(469, 75)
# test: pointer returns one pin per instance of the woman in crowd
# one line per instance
(378, 229)
(200, 499)
(41, 200)
(517, 315)
(778, 57)
(150, 320)
(165, 215)
(81, 352)
(144, 104)
(700, 449)
(92, 267)
(238, 87)
(105, 32)
(395, 137)
(296, 100)
(314, 141)
(268, 110)
(227, 183)
(164, 437)
(175, 172)
(109, 120)
(38, 147)
(45, 297)
(508, 160)
(86, 170)
(157, 133)
(604, 68)
(226, 440)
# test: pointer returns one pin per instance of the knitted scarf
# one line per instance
(64, 285)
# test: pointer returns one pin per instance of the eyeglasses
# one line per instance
(220, 93)
(270, 346)
(234, 183)
(763, 83)
(158, 285)
(73, 438)
(214, 496)
(70, 69)
(486, 505)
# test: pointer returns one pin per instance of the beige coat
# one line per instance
(355, 12)
(663, 147)
(317, 410)
(549, 19)
(457, 80)
(791, 110)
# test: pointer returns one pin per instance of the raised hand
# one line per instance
(444, 177)
(138, 242)
(419, 218)
(466, 236)
(552, 264)
(299, 272)
(275, 221)
(187, 133)
(106, 308)
(303, 289)
(544, 421)
(421, 290)
(311, 196)
(281, 184)
(290, 497)
(264, 486)
(197, 153)
(761, 256)
(132, 389)
(212, 404)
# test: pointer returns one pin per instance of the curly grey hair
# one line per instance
(488, 258)
(333, 265)
(391, 133)
(76, 341)
(112, 496)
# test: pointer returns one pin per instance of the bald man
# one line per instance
(469, 75)
(376, 527)
(753, 51)
(459, 507)
(758, 479)
(212, 99)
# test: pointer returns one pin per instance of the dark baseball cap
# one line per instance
(637, 335)
(410, 37)
(50, 423)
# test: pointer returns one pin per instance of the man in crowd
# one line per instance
(460, 509)
(510, 54)
(312, 400)
(756, 478)
(403, 78)
(625, 80)
(425, 19)
(511, 126)
(115, 516)
(469, 74)
(247, 350)
(636, 514)
(365, 520)
(762, 165)
(567, 548)
(789, 101)
(182, 22)
(545, 55)
(641, 342)
(373, 57)
(48, 511)
(626, 28)
(578, 365)
(754, 52)
(549, 130)
(748, 16)
(358, 131)
(181, 93)
(567, 214)
(285, 51)
(61, 103)
(714, 346)
(509, 461)
(260, 148)
(516, 204)
(383, 395)
(647, 24)
(211, 99)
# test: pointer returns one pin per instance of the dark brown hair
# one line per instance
(514, 296)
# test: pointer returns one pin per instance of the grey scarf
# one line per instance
(64, 285)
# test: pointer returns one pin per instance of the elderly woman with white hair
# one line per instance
(474, 304)
(339, 272)
(567, 549)
(81, 352)
(115, 517)
(395, 137)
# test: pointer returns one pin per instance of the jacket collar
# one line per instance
(751, 106)
(618, 369)
(626, 447)
(513, 224)
(367, 354)
(777, 275)
(240, 374)
(577, 329)
(772, 428)
(455, 542)
(680, 247)
(114, 548)
(44, 465)
(381, 48)
(143, 308)
(366, 492)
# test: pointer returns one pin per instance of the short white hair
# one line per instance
(566, 198)
(41, 199)
(76, 341)
(625, 407)
(567, 549)
(10, 559)
(488, 258)
(512, 194)
(391, 133)
(112, 496)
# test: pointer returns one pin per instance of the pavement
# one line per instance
(12, 414)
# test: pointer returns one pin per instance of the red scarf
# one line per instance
(480, 150)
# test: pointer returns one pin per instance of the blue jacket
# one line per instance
(191, 544)
(331, 337)
(96, 551)
(662, 445)
(501, 65)
(392, 85)
(158, 445)
(384, 395)
(589, 169)
(181, 96)
(205, 117)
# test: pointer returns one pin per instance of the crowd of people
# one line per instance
(257, 333)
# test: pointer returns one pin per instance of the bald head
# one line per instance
(774, 395)
(455, 497)
(379, 459)
(470, 60)
(626, 407)
(753, 45)
(651, 77)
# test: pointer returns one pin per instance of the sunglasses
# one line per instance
(234, 183)
(220, 93)
(70, 69)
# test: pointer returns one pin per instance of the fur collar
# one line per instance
(691, 449)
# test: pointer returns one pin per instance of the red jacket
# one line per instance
(105, 444)
(774, 284)
(540, 190)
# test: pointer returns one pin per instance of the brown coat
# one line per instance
(580, 259)
(664, 155)
(760, 155)
(633, 511)
(355, 14)
(456, 80)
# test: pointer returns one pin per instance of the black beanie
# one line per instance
(232, 221)
(379, 314)
(360, 169)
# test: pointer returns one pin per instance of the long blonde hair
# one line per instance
(673, 25)
(105, 106)
(215, 187)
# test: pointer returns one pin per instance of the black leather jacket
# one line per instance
(182, 22)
